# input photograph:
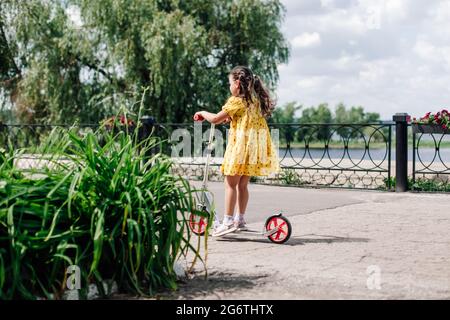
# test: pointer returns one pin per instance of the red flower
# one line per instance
(441, 117)
(119, 121)
(444, 126)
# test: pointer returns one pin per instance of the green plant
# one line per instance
(110, 210)
(7, 163)
(289, 176)
(254, 179)
(421, 184)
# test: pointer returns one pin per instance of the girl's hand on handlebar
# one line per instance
(198, 116)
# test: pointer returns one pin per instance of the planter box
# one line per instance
(429, 128)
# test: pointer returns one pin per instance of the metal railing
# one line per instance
(431, 169)
(311, 154)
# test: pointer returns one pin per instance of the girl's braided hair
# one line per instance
(249, 83)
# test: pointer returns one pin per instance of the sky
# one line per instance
(388, 56)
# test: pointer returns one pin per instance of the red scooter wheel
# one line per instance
(198, 224)
(284, 228)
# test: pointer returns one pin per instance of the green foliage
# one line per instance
(6, 163)
(356, 115)
(286, 115)
(435, 184)
(322, 114)
(56, 70)
(290, 177)
(110, 210)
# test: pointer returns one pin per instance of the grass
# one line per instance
(113, 212)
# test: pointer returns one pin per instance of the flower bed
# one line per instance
(438, 122)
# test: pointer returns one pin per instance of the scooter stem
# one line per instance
(208, 154)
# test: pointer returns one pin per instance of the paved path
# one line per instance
(267, 200)
(346, 244)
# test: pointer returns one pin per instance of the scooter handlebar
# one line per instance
(198, 117)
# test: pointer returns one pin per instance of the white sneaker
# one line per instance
(240, 225)
(223, 229)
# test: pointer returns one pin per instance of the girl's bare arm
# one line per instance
(215, 118)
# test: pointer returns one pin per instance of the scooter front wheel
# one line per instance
(283, 226)
(198, 224)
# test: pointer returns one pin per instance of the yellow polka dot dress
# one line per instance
(250, 150)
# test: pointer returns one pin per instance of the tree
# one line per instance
(357, 115)
(57, 70)
(42, 73)
(286, 114)
(321, 114)
(283, 115)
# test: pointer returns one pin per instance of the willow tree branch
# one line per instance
(107, 75)
(8, 48)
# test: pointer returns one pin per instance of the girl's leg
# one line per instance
(231, 183)
(243, 194)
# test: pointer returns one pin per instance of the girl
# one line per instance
(250, 151)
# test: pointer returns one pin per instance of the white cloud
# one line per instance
(373, 72)
(341, 20)
(388, 56)
(424, 50)
(306, 40)
(311, 82)
(346, 61)
(433, 54)
(441, 12)
(326, 3)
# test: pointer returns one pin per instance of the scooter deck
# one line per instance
(252, 233)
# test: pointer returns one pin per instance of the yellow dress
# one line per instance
(250, 150)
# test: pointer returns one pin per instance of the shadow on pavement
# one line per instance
(295, 241)
(217, 283)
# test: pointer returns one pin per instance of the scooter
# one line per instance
(277, 227)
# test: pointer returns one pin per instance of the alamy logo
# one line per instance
(186, 146)
(74, 278)
(374, 280)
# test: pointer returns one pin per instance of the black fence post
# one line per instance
(147, 125)
(401, 152)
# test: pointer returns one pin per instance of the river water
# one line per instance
(426, 154)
